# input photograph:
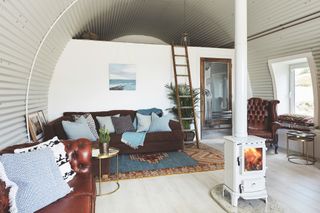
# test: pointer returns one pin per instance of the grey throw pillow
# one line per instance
(89, 120)
(75, 130)
(122, 124)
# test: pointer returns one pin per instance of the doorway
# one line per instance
(215, 100)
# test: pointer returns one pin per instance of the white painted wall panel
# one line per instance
(292, 41)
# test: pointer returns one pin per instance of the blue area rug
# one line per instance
(144, 162)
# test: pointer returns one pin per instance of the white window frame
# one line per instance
(292, 81)
(313, 71)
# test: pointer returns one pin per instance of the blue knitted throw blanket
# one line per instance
(133, 139)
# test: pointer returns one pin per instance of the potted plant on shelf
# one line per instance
(184, 90)
(104, 140)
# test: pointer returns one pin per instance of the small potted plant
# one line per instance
(104, 140)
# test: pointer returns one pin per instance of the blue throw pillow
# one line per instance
(160, 124)
(76, 130)
(150, 111)
(38, 178)
(144, 122)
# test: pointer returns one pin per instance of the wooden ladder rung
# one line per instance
(185, 96)
(180, 55)
(186, 107)
(182, 75)
(187, 119)
(181, 65)
(188, 130)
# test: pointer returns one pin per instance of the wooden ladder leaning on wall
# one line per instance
(186, 76)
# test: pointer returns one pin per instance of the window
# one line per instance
(301, 91)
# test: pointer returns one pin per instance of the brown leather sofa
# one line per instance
(82, 198)
(262, 119)
(154, 141)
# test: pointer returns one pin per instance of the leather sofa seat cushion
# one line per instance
(150, 137)
(261, 133)
(69, 204)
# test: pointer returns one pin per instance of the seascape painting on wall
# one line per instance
(122, 77)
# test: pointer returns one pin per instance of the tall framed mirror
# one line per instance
(216, 111)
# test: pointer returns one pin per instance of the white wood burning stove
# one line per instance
(245, 168)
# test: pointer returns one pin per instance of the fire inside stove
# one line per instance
(253, 159)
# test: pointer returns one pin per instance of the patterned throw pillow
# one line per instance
(38, 178)
(89, 119)
(122, 124)
(61, 157)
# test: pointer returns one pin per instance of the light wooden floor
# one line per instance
(295, 187)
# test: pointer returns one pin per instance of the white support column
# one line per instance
(241, 72)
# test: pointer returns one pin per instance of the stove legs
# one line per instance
(234, 200)
(234, 196)
(276, 148)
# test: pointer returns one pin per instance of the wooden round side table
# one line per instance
(305, 138)
(113, 152)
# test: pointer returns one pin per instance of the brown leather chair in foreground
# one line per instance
(262, 117)
(83, 196)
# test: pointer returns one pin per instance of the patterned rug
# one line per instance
(206, 158)
(153, 158)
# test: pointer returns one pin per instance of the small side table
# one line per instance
(305, 138)
(113, 152)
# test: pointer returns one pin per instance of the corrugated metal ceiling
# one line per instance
(34, 32)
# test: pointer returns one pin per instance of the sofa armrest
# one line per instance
(55, 128)
(80, 154)
(175, 125)
(4, 197)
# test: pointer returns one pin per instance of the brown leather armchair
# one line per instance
(262, 117)
(83, 196)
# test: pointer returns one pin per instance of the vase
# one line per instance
(104, 148)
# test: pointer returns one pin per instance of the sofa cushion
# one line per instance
(144, 122)
(38, 179)
(106, 122)
(76, 130)
(123, 124)
(261, 133)
(160, 124)
(61, 157)
(87, 118)
(82, 184)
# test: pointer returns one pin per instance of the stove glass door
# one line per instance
(253, 159)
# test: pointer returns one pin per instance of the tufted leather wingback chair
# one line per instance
(262, 117)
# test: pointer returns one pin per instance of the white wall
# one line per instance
(80, 80)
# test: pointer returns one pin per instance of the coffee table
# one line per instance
(305, 138)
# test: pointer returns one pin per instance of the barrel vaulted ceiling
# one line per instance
(33, 34)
